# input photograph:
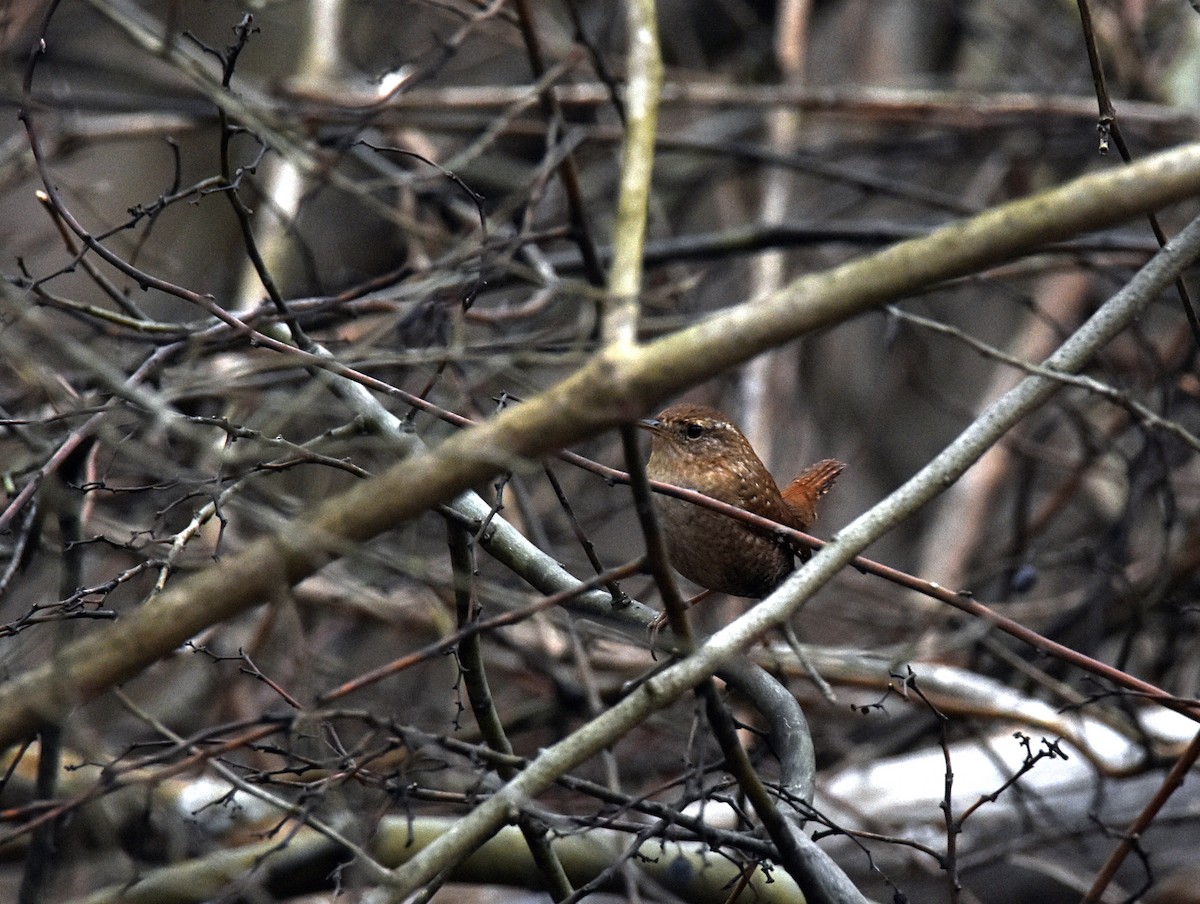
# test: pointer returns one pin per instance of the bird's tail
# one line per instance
(803, 493)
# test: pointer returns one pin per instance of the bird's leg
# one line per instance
(659, 622)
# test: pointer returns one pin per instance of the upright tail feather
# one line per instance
(803, 493)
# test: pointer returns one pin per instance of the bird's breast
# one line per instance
(721, 553)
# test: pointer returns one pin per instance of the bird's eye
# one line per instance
(693, 431)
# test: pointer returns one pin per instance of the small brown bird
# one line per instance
(696, 447)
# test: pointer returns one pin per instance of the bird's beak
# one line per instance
(651, 423)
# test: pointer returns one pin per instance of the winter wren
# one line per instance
(697, 448)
